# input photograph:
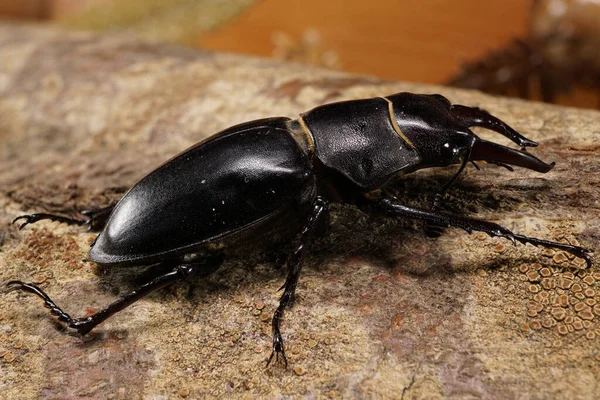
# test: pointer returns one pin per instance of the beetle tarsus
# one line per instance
(81, 325)
(32, 288)
(278, 347)
(33, 218)
(94, 218)
(575, 250)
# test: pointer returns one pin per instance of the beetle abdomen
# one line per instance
(236, 179)
(359, 138)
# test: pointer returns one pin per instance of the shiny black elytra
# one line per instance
(276, 176)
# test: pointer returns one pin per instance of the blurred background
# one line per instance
(545, 50)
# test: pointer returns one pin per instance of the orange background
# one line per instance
(423, 41)
(426, 41)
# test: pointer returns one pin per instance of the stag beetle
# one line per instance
(279, 175)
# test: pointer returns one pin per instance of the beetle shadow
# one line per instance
(380, 237)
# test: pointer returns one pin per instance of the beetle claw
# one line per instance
(585, 254)
(512, 239)
(92, 218)
(33, 218)
(29, 220)
(277, 349)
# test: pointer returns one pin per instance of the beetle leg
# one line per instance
(94, 219)
(473, 116)
(433, 230)
(83, 325)
(390, 206)
(294, 266)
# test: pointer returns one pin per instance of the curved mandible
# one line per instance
(473, 116)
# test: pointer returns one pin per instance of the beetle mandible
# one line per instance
(254, 178)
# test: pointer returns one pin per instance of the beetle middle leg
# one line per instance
(94, 219)
(177, 273)
(390, 206)
(294, 266)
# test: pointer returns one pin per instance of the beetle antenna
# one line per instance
(456, 175)
(439, 195)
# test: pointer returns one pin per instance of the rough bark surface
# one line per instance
(382, 311)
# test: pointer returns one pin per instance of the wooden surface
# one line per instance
(382, 311)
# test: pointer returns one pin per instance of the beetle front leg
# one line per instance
(95, 219)
(390, 206)
(433, 230)
(294, 266)
(84, 325)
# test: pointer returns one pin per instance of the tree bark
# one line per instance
(382, 310)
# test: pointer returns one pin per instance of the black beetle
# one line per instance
(278, 175)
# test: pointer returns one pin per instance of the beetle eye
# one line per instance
(449, 154)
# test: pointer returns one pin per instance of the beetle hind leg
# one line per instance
(177, 273)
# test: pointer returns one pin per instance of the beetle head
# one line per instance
(440, 133)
